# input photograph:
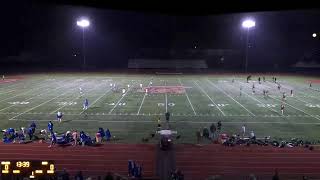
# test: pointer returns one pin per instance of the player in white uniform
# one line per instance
(80, 89)
(150, 83)
(111, 85)
(128, 86)
(123, 91)
(146, 90)
(282, 108)
(59, 116)
(140, 85)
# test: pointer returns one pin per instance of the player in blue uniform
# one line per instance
(85, 104)
(50, 127)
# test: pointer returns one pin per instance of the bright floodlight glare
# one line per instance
(314, 35)
(83, 23)
(248, 23)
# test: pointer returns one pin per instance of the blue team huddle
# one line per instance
(11, 135)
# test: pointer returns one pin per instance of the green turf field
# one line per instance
(134, 115)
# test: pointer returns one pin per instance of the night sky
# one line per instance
(47, 35)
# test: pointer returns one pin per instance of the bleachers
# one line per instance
(167, 64)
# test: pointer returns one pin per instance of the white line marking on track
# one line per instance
(230, 97)
(209, 98)
(188, 98)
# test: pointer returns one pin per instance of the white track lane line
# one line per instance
(230, 97)
(188, 97)
(209, 98)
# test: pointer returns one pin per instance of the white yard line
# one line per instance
(188, 98)
(5, 92)
(37, 88)
(259, 101)
(230, 97)
(145, 94)
(209, 98)
(45, 92)
(96, 100)
(38, 105)
(288, 95)
(120, 100)
(301, 92)
(292, 106)
(52, 112)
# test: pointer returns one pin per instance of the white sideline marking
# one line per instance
(144, 96)
(192, 122)
(292, 106)
(209, 98)
(231, 97)
(188, 98)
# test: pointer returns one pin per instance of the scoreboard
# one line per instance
(29, 169)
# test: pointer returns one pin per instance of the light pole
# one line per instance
(247, 24)
(83, 23)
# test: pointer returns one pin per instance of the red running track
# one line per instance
(93, 161)
(195, 162)
(238, 162)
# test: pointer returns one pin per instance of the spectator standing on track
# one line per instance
(219, 125)
(30, 133)
(252, 136)
(33, 126)
(276, 175)
(310, 85)
(108, 134)
(198, 134)
(167, 116)
(213, 130)
(53, 139)
(3, 77)
(75, 137)
(243, 129)
(65, 175)
(79, 176)
(159, 124)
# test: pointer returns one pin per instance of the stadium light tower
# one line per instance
(247, 24)
(83, 23)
